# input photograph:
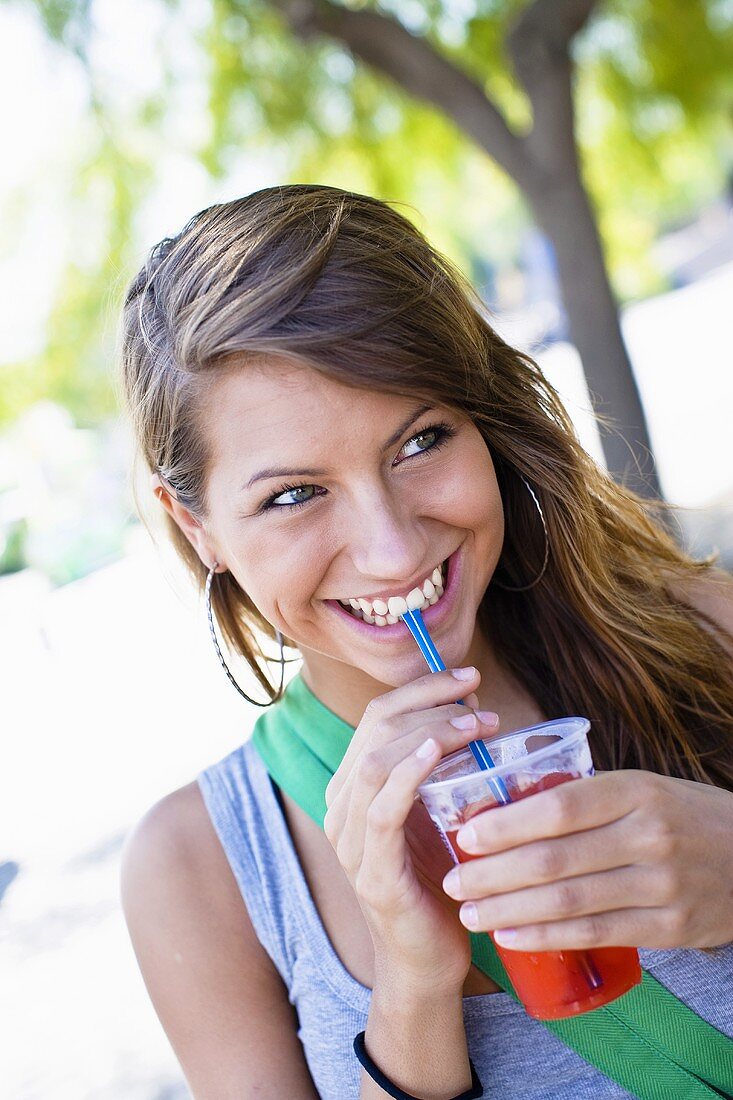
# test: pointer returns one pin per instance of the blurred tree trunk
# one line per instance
(544, 165)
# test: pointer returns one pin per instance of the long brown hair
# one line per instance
(345, 283)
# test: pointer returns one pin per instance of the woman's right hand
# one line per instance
(416, 932)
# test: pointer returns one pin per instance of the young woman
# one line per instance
(329, 421)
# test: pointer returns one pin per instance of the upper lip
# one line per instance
(403, 590)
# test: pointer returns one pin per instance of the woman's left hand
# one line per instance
(624, 858)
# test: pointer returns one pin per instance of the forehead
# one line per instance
(280, 410)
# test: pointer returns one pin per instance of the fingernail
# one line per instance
(426, 749)
(505, 936)
(464, 722)
(463, 673)
(466, 838)
(469, 915)
(487, 717)
(451, 882)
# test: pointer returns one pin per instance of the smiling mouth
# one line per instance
(387, 612)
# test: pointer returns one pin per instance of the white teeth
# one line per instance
(397, 606)
(415, 599)
(388, 612)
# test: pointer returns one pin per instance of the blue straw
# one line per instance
(413, 620)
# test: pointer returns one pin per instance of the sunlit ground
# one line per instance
(112, 696)
(115, 698)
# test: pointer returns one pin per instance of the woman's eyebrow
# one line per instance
(284, 471)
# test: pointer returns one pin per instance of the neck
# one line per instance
(347, 690)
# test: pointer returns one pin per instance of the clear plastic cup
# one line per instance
(550, 984)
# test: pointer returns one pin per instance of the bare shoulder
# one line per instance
(711, 594)
(215, 989)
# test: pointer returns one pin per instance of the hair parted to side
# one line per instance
(344, 283)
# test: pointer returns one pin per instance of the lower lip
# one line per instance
(433, 615)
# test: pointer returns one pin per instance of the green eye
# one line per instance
(425, 435)
(426, 442)
(299, 494)
(293, 496)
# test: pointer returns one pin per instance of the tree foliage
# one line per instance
(654, 97)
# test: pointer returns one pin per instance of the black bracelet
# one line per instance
(476, 1090)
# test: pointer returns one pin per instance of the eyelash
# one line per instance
(443, 433)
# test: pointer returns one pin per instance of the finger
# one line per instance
(568, 808)
(542, 861)
(566, 900)
(383, 863)
(651, 928)
(451, 716)
(432, 690)
(449, 724)
(346, 816)
(429, 690)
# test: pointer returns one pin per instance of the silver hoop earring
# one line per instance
(540, 575)
(210, 616)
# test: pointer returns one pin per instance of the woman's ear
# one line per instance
(187, 522)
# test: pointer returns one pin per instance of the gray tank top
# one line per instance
(515, 1056)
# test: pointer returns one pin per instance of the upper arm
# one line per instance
(215, 989)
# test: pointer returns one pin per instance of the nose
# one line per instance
(387, 543)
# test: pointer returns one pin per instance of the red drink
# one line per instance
(555, 984)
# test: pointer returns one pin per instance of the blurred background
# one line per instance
(601, 242)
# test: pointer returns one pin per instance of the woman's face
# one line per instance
(320, 493)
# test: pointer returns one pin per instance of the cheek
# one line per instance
(279, 570)
(493, 512)
(468, 495)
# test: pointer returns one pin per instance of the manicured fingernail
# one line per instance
(464, 722)
(487, 717)
(505, 936)
(466, 838)
(463, 673)
(426, 749)
(451, 882)
(469, 915)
